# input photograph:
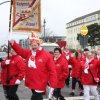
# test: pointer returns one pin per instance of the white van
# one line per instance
(49, 46)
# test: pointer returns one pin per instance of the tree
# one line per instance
(93, 34)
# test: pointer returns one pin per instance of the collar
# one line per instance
(89, 60)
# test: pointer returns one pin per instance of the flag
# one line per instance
(26, 15)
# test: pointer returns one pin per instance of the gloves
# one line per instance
(7, 62)
(96, 79)
(17, 82)
(50, 95)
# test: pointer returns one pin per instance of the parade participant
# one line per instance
(98, 54)
(13, 71)
(66, 53)
(98, 58)
(0, 70)
(85, 52)
(75, 63)
(62, 72)
(89, 75)
(40, 67)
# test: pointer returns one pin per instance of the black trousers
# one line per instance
(57, 94)
(74, 81)
(10, 92)
(67, 81)
(36, 96)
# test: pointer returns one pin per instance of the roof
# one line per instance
(82, 17)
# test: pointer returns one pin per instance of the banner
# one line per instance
(26, 15)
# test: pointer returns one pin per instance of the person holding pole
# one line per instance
(40, 67)
(13, 71)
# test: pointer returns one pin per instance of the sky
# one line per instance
(56, 12)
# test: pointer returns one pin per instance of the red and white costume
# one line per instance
(85, 75)
(62, 71)
(14, 71)
(40, 68)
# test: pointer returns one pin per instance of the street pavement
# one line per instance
(25, 94)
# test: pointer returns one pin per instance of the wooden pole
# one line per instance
(10, 24)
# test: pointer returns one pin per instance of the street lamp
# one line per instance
(4, 2)
(44, 29)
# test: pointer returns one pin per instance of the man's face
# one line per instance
(90, 55)
(98, 52)
(66, 48)
(12, 52)
(35, 46)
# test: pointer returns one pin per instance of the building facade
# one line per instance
(25, 42)
(74, 26)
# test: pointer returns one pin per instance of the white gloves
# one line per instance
(50, 95)
(7, 62)
(17, 82)
(96, 79)
(31, 64)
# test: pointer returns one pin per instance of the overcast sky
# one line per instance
(56, 12)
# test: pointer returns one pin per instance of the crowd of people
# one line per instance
(53, 69)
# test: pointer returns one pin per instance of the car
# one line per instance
(49, 46)
(3, 55)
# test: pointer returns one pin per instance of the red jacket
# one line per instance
(37, 78)
(75, 63)
(86, 78)
(99, 67)
(62, 71)
(67, 56)
(15, 70)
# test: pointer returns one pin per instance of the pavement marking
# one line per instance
(76, 98)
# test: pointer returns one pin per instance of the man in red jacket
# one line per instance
(88, 73)
(40, 67)
(13, 71)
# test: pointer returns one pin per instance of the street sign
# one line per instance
(84, 30)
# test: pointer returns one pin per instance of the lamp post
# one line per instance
(44, 29)
(4, 2)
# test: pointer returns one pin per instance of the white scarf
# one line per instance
(87, 65)
(31, 62)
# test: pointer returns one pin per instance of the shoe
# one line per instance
(81, 94)
(72, 94)
(61, 98)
